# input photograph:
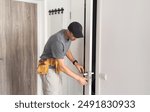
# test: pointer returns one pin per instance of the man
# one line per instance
(52, 64)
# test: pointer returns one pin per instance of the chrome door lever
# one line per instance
(88, 73)
(85, 74)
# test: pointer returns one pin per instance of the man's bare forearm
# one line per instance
(70, 56)
(66, 70)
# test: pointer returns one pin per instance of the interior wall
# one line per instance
(124, 57)
(41, 36)
(54, 4)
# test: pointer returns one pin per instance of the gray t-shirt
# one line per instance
(56, 46)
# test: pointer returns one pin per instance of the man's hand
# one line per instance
(65, 69)
(79, 67)
(83, 81)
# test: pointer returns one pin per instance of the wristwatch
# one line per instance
(75, 61)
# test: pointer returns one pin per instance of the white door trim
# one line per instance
(98, 47)
(88, 45)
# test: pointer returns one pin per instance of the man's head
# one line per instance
(75, 30)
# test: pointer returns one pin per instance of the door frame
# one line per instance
(98, 48)
(90, 45)
(94, 37)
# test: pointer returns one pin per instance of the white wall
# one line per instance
(41, 38)
(54, 4)
(123, 46)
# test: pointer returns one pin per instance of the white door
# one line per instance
(124, 59)
(82, 11)
(77, 48)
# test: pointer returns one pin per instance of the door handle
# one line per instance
(85, 74)
(88, 73)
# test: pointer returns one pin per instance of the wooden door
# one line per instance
(5, 34)
(19, 48)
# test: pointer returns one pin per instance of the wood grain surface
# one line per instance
(19, 48)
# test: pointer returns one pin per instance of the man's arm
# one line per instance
(65, 69)
(71, 58)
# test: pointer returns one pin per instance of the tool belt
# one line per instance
(44, 65)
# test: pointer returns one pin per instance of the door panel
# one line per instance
(24, 45)
(19, 48)
(81, 11)
(5, 34)
(77, 47)
(124, 47)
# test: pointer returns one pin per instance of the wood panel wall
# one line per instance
(20, 48)
(5, 34)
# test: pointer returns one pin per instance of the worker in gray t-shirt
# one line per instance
(56, 48)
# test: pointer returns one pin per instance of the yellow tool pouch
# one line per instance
(44, 65)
